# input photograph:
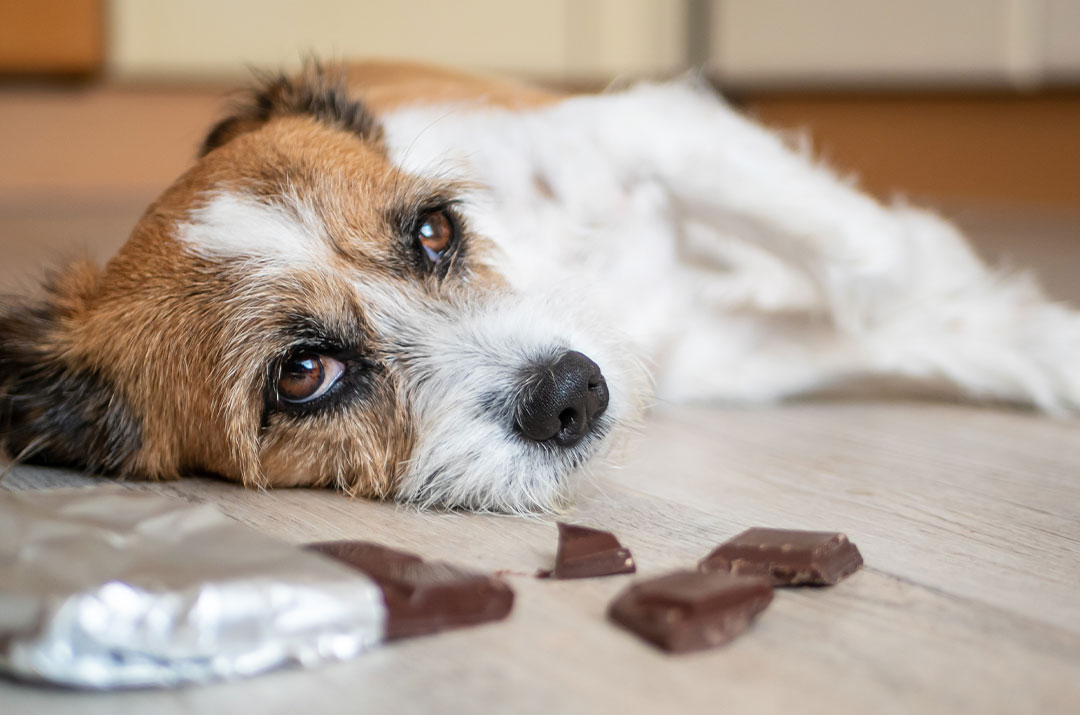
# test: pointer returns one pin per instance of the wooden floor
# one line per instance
(968, 519)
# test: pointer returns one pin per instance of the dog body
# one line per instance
(442, 288)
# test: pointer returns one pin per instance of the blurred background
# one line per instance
(972, 106)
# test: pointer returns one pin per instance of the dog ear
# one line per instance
(55, 408)
(315, 92)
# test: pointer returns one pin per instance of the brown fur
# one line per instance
(389, 85)
(178, 345)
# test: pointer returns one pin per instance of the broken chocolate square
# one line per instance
(423, 597)
(585, 552)
(787, 558)
(691, 610)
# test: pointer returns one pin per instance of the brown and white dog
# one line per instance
(406, 282)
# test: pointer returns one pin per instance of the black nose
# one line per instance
(562, 400)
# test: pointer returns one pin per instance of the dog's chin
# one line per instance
(490, 470)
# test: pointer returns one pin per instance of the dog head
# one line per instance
(295, 310)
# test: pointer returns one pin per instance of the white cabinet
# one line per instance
(829, 43)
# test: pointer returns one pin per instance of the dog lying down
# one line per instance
(406, 282)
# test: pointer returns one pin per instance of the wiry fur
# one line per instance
(742, 269)
(652, 222)
(461, 364)
(315, 93)
(54, 407)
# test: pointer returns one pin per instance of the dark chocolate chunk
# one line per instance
(585, 552)
(691, 610)
(423, 597)
(370, 558)
(787, 558)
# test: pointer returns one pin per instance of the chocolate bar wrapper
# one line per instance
(107, 588)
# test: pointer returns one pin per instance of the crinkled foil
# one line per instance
(106, 588)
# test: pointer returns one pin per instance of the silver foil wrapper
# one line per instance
(106, 588)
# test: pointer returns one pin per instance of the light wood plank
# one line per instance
(977, 502)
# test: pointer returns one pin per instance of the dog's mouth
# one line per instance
(510, 477)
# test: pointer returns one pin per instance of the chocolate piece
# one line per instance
(364, 555)
(787, 558)
(423, 597)
(690, 610)
(585, 552)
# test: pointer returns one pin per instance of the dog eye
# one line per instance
(305, 376)
(435, 234)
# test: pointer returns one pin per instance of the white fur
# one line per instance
(743, 270)
(459, 363)
(232, 224)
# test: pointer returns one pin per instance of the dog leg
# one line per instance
(746, 182)
(990, 334)
(901, 292)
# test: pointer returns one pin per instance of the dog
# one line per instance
(407, 282)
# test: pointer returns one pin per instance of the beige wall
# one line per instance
(560, 39)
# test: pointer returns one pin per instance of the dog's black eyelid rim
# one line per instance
(359, 369)
(410, 230)
(405, 217)
(448, 208)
